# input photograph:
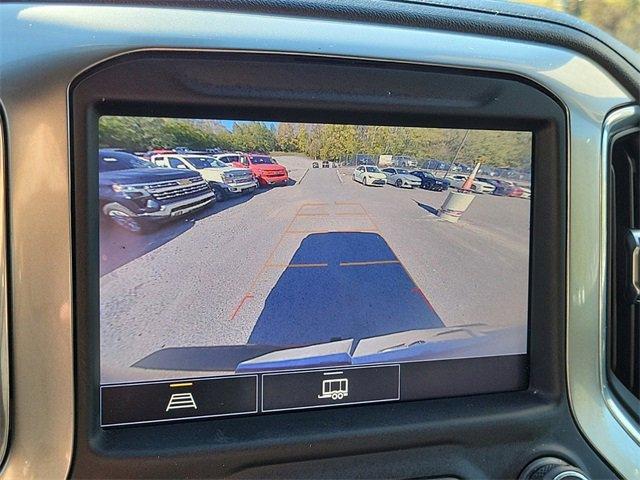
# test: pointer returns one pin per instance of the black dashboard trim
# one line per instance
(473, 428)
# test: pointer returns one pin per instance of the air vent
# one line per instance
(624, 328)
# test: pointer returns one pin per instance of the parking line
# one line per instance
(176, 385)
(246, 297)
(371, 262)
(416, 288)
(268, 264)
(303, 175)
(292, 232)
(370, 218)
(298, 265)
(281, 237)
(313, 214)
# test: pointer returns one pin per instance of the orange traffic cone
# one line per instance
(466, 186)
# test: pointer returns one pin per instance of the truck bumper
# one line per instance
(240, 188)
(281, 180)
(172, 210)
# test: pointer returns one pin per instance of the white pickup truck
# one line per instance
(225, 180)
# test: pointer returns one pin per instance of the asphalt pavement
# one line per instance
(319, 260)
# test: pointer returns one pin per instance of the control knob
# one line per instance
(551, 468)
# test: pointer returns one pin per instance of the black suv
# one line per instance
(135, 195)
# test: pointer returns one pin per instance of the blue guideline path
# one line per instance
(342, 285)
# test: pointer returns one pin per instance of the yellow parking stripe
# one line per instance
(298, 265)
(343, 230)
(186, 384)
(342, 264)
(371, 262)
(304, 265)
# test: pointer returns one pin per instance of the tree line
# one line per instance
(620, 18)
(321, 141)
(140, 134)
(334, 142)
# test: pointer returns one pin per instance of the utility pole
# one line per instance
(455, 157)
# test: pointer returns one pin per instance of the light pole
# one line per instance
(455, 157)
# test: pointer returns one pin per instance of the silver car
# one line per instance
(401, 178)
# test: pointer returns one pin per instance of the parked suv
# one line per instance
(135, 195)
(224, 179)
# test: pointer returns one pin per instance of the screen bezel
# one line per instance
(518, 105)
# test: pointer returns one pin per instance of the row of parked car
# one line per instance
(325, 164)
(403, 178)
(137, 192)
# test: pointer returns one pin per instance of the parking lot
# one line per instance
(321, 259)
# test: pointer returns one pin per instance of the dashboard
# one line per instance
(283, 240)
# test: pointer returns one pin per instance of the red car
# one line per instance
(157, 151)
(504, 188)
(266, 170)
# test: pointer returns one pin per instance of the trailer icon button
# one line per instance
(300, 389)
(335, 389)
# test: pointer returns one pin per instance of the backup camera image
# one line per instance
(238, 248)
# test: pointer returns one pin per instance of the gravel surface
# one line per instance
(209, 279)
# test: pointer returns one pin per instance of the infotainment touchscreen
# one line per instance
(249, 267)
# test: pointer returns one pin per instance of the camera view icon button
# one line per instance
(149, 402)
